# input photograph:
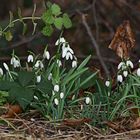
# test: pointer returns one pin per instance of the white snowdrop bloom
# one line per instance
(56, 101)
(74, 64)
(119, 78)
(107, 83)
(139, 60)
(50, 76)
(121, 64)
(129, 63)
(125, 73)
(37, 64)
(13, 59)
(30, 58)
(41, 65)
(38, 79)
(6, 66)
(60, 40)
(46, 55)
(1, 71)
(56, 88)
(16, 63)
(70, 49)
(35, 97)
(61, 95)
(138, 71)
(88, 100)
(64, 51)
(33, 120)
(59, 63)
(69, 55)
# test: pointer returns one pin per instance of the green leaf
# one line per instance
(66, 21)
(25, 77)
(47, 30)
(6, 85)
(22, 95)
(47, 17)
(56, 10)
(8, 36)
(58, 22)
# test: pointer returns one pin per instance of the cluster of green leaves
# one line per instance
(20, 90)
(54, 17)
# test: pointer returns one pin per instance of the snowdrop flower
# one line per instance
(60, 40)
(56, 88)
(30, 58)
(139, 60)
(59, 63)
(6, 66)
(50, 76)
(125, 73)
(138, 71)
(69, 55)
(39, 64)
(35, 97)
(121, 65)
(46, 55)
(107, 83)
(88, 100)
(74, 64)
(16, 63)
(1, 71)
(119, 78)
(56, 101)
(129, 63)
(38, 79)
(13, 59)
(61, 95)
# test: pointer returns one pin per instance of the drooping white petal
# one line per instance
(30, 58)
(120, 65)
(35, 97)
(46, 55)
(60, 40)
(125, 73)
(69, 55)
(56, 88)
(1, 71)
(38, 79)
(107, 83)
(6, 66)
(129, 63)
(13, 59)
(70, 49)
(138, 71)
(119, 78)
(88, 100)
(61, 95)
(56, 101)
(74, 64)
(16, 63)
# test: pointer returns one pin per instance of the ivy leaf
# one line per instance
(22, 95)
(56, 10)
(58, 22)
(8, 36)
(47, 30)
(66, 21)
(47, 17)
(25, 77)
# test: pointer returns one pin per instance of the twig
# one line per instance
(94, 43)
(22, 42)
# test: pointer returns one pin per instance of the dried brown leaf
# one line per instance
(123, 40)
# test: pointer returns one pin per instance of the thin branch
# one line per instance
(94, 43)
